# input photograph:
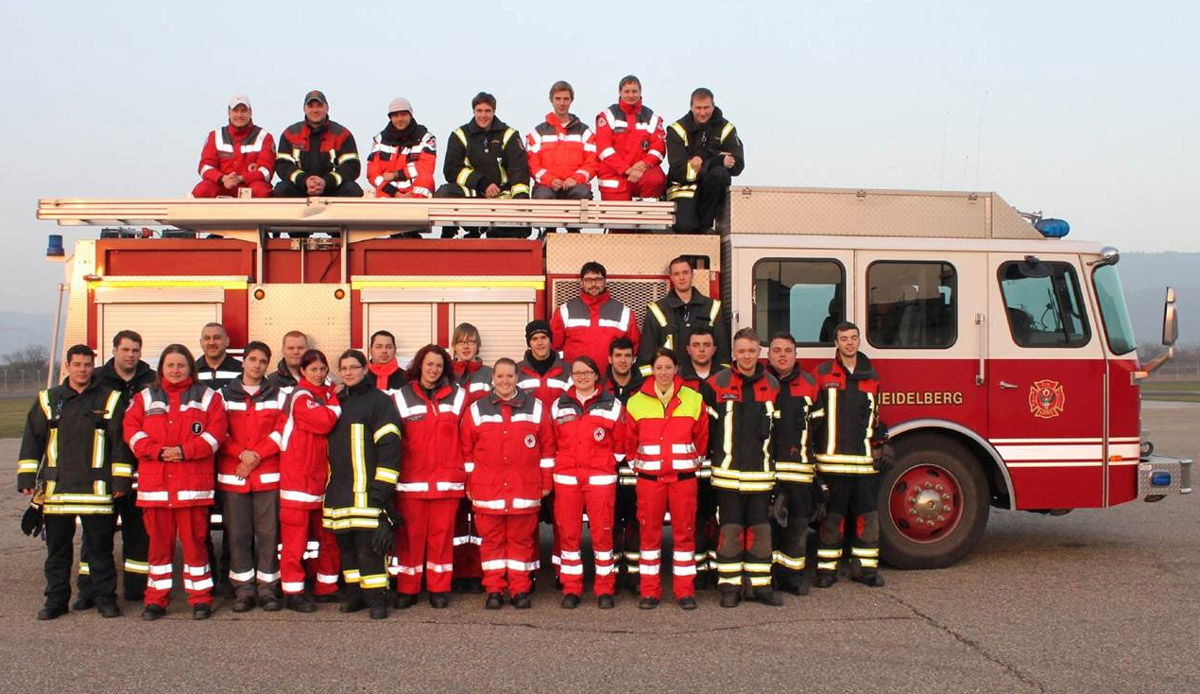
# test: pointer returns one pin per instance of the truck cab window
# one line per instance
(912, 305)
(803, 297)
(1044, 311)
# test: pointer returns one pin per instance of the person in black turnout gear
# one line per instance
(669, 321)
(317, 157)
(73, 428)
(704, 153)
(485, 159)
(126, 374)
(364, 459)
(845, 430)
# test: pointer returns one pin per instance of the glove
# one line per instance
(884, 457)
(383, 541)
(31, 520)
(779, 510)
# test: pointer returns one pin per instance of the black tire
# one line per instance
(903, 552)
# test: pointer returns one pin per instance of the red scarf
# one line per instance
(383, 372)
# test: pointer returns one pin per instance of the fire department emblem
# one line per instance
(1046, 399)
(530, 441)
(197, 428)
(598, 434)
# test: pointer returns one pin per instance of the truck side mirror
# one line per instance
(1170, 331)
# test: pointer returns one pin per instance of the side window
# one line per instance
(912, 305)
(804, 297)
(1043, 304)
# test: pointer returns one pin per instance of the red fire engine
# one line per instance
(1008, 362)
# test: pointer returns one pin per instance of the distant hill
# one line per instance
(1145, 277)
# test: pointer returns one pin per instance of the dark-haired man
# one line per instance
(669, 321)
(587, 325)
(317, 157)
(704, 152)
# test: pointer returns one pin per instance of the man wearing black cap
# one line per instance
(316, 156)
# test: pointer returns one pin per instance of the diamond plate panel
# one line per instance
(627, 254)
(312, 308)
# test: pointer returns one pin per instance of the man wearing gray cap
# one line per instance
(317, 157)
(403, 155)
(237, 157)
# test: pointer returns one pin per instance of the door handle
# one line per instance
(1008, 386)
(979, 318)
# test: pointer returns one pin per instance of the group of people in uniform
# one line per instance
(436, 475)
(485, 158)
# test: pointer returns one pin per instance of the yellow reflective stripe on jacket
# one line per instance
(725, 131)
(714, 311)
(110, 407)
(385, 430)
(358, 463)
(44, 401)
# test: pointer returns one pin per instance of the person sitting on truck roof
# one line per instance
(631, 142)
(239, 156)
(486, 158)
(669, 320)
(403, 155)
(562, 151)
(317, 157)
(704, 152)
(586, 326)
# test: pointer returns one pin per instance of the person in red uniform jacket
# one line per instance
(432, 479)
(587, 326)
(239, 156)
(384, 370)
(472, 375)
(317, 157)
(562, 151)
(403, 155)
(589, 428)
(668, 432)
(175, 429)
(312, 412)
(248, 479)
(632, 146)
(508, 449)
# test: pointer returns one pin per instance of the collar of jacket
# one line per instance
(466, 367)
(402, 138)
(441, 390)
(635, 378)
(322, 391)
(357, 390)
(862, 366)
(228, 363)
(517, 400)
(598, 395)
(169, 387)
(648, 387)
(759, 371)
(497, 125)
(630, 109)
(316, 128)
(792, 375)
(594, 301)
(236, 389)
(541, 366)
(69, 392)
(285, 374)
(240, 133)
(552, 119)
(107, 375)
(673, 300)
(689, 122)
(383, 371)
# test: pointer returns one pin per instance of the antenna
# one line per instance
(979, 137)
(945, 137)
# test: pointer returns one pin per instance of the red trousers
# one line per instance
(301, 534)
(654, 498)
(508, 551)
(650, 185)
(466, 543)
(571, 501)
(191, 525)
(208, 189)
(425, 544)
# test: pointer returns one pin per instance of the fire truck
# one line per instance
(1007, 358)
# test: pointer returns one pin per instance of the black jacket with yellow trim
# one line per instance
(743, 415)
(478, 157)
(364, 459)
(79, 437)
(793, 459)
(669, 322)
(710, 141)
(844, 424)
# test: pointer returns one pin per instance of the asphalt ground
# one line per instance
(1098, 600)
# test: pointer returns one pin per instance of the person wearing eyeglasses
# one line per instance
(475, 377)
(587, 325)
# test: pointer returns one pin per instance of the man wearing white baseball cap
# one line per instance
(403, 155)
(237, 157)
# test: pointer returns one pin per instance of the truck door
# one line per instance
(1045, 381)
(803, 291)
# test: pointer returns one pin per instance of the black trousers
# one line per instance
(626, 535)
(855, 496)
(579, 191)
(453, 190)
(791, 543)
(135, 551)
(706, 526)
(60, 554)
(287, 189)
(363, 571)
(699, 212)
(744, 539)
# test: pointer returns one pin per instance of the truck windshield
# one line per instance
(1112, 310)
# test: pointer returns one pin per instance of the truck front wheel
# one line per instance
(933, 504)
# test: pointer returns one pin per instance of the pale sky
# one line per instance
(1088, 111)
